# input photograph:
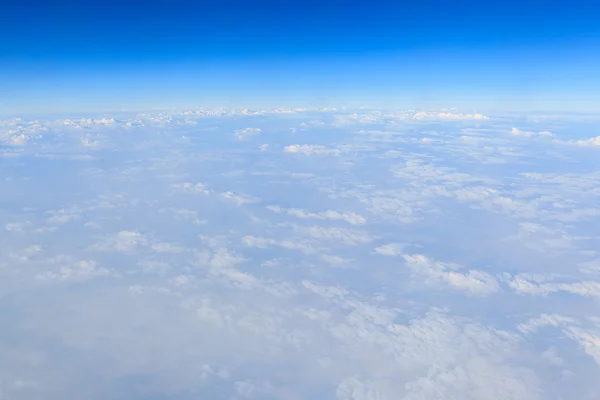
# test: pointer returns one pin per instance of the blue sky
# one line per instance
(71, 56)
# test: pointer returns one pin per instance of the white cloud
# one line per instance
(448, 115)
(16, 226)
(336, 261)
(163, 247)
(17, 140)
(552, 357)
(122, 241)
(309, 149)
(522, 284)
(595, 141)
(161, 278)
(588, 339)
(354, 388)
(238, 198)
(392, 249)
(346, 236)
(519, 132)
(184, 214)
(590, 267)
(129, 241)
(350, 217)
(242, 134)
(473, 281)
(545, 320)
(260, 242)
(325, 291)
(198, 188)
(63, 216)
(87, 142)
(81, 270)
(26, 253)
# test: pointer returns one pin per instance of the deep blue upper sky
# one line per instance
(162, 53)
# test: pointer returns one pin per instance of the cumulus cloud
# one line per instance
(519, 132)
(238, 198)
(80, 270)
(16, 226)
(448, 115)
(473, 281)
(309, 149)
(346, 236)
(184, 214)
(595, 141)
(122, 241)
(16, 140)
(350, 217)
(242, 134)
(545, 320)
(26, 253)
(336, 261)
(63, 215)
(392, 249)
(198, 188)
(524, 284)
(260, 242)
(131, 241)
(587, 337)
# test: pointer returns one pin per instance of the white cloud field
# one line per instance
(300, 254)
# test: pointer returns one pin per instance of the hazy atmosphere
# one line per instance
(299, 200)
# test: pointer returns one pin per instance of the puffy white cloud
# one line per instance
(310, 149)
(552, 357)
(131, 241)
(80, 270)
(355, 388)
(198, 188)
(17, 140)
(122, 241)
(346, 236)
(238, 198)
(104, 121)
(595, 141)
(588, 339)
(184, 214)
(336, 261)
(16, 226)
(163, 247)
(260, 242)
(242, 134)
(325, 291)
(448, 115)
(522, 284)
(519, 132)
(544, 320)
(392, 249)
(63, 215)
(473, 281)
(350, 217)
(25, 254)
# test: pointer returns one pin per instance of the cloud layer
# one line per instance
(300, 253)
